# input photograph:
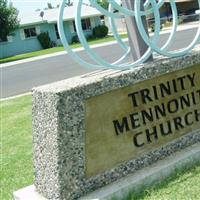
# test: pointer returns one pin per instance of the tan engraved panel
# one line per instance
(128, 122)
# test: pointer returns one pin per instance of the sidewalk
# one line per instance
(164, 31)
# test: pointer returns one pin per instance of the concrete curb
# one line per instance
(10, 64)
(143, 178)
(13, 97)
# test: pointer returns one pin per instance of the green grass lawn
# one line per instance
(16, 163)
(16, 143)
(55, 49)
(183, 185)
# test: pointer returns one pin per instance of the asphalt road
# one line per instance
(21, 78)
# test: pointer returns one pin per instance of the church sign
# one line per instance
(128, 122)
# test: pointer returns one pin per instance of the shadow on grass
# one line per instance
(143, 191)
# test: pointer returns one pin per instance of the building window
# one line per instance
(56, 30)
(74, 26)
(86, 24)
(30, 32)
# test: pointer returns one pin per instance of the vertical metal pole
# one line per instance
(137, 44)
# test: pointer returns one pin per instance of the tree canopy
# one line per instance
(8, 19)
(103, 3)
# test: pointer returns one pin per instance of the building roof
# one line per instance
(51, 15)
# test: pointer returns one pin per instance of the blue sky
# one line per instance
(25, 6)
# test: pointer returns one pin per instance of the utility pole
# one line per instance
(137, 44)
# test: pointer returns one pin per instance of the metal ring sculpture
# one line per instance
(152, 43)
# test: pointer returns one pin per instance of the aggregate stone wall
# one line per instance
(59, 129)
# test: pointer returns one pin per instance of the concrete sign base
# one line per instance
(97, 131)
(145, 177)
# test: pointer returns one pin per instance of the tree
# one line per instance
(69, 3)
(103, 3)
(8, 20)
(49, 6)
(42, 14)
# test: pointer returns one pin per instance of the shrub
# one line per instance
(53, 44)
(89, 37)
(152, 27)
(100, 31)
(75, 39)
(44, 40)
(168, 24)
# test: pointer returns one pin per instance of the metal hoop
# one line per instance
(152, 43)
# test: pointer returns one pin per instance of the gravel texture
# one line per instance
(59, 129)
